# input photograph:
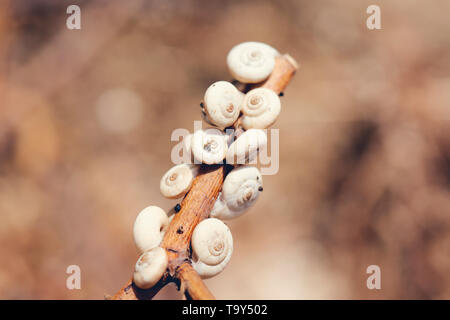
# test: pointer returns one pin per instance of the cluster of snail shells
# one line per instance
(223, 105)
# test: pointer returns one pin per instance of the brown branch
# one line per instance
(196, 207)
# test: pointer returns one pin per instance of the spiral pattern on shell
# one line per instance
(149, 228)
(212, 246)
(209, 146)
(251, 62)
(150, 267)
(222, 103)
(240, 190)
(177, 181)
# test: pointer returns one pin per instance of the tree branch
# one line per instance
(196, 207)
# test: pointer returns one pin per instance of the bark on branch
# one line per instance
(196, 207)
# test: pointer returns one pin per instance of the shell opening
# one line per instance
(210, 145)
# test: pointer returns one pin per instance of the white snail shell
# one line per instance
(209, 146)
(150, 267)
(149, 228)
(240, 190)
(212, 247)
(176, 182)
(251, 62)
(246, 147)
(222, 103)
(206, 118)
(260, 108)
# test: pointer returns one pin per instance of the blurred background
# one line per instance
(86, 117)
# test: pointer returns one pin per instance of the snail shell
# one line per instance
(261, 108)
(150, 267)
(149, 228)
(222, 104)
(246, 147)
(176, 182)
(209, 146)
(240, 190)
(251, 62)
(212, 247)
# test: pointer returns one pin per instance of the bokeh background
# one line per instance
(86, 117)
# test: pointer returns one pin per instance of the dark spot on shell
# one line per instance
(180, 230)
